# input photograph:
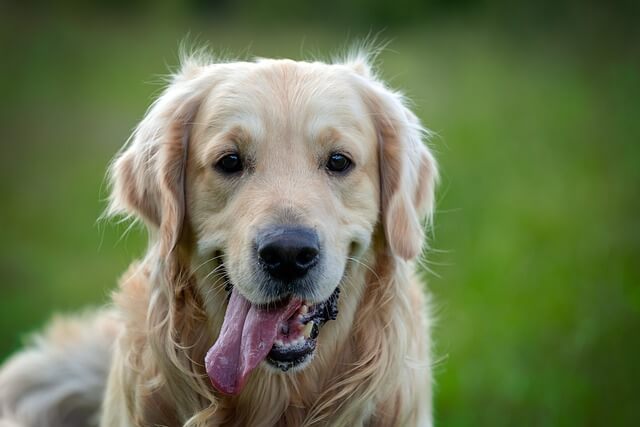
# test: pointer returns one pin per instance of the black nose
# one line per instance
(288, 253)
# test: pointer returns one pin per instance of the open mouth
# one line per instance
(297, 336)
(284, 334)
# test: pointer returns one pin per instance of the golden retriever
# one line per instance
(285, 203)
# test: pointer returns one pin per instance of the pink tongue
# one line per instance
(246, 337)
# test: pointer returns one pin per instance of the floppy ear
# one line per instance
(147, 176)
(408, 170)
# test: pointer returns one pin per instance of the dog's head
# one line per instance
(274, 175)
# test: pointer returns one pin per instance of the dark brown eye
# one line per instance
(229, 164)
(339, 163)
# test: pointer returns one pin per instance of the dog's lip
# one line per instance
(271, 304)
(297, 344)
(309, 309)
(287, 357)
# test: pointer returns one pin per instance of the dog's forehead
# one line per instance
(275, 96)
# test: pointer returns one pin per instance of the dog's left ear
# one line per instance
(147, 176)
(408, 170)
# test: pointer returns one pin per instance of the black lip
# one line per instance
(326, 310)
(285, 366)
(291, 355)
(287, 358)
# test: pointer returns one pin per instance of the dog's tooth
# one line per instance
(279, 342)
(306, 331)
(304, 309)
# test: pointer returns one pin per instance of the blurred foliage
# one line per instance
(534, 260)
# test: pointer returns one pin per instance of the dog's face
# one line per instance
(283, 179)
(279, 172)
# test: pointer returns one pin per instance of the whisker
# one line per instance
(362, 263)
(217, 283)
(215, 270)
(217, 289)
(206, 262)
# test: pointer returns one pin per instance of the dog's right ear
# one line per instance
(147, 176)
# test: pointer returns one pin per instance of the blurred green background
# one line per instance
(536, 249)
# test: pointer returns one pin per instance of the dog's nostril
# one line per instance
(306, 256)
(269, 255)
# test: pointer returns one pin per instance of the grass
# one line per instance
(537, 236)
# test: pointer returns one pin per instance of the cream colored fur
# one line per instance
(372, 366)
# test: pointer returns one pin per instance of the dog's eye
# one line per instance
(338, 163)
(229, 164)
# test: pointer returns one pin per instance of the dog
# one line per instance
(286, 204)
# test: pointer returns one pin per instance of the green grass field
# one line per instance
(536, 247)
